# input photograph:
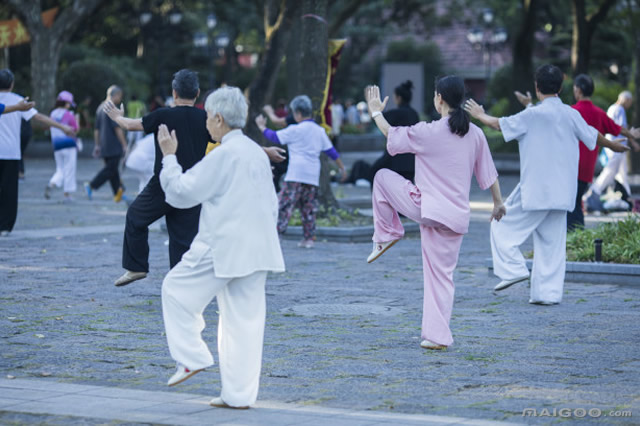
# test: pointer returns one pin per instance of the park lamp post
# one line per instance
(487, 39)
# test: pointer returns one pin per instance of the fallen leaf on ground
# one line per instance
(10, 377)
(40, 336)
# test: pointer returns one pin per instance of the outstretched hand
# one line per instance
(372, 96)
(499, 210)
(261, 122)
(275, 154)
(25, 104)
(524, 99)
(112, 111)
(168, 141)
(473, 108)
(618, 147)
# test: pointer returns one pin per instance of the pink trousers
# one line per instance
(393, 194)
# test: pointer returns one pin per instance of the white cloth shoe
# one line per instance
(542, 302)
(182, 373)
(218, 402)
(427, 344)
(129, 277)
(379, 249)
(508, 283)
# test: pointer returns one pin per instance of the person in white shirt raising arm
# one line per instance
(548, 135)
(236, 245)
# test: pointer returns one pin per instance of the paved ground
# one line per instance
(341, 334)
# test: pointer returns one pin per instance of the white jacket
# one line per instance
(239, 206)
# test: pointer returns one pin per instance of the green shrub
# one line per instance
(620, 242)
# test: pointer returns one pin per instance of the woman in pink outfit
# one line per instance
(448, 152)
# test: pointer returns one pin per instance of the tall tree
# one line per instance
(314, 56)
(584, 26)
(46, 43)
(523, 44)
(278, 18)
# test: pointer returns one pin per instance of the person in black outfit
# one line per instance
(403, 164)
(190, 126)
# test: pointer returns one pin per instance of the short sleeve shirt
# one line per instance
(548, 136)
(10, 127)
(306, 140)
(110, 145)
(190, 124)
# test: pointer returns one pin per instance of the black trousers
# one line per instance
(8, 194)
(575, 219)
(363, 170)
(148, 207)
(109, 172)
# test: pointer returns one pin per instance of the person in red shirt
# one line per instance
(596, 117)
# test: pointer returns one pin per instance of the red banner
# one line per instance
(14, 33)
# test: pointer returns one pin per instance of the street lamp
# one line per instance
(487, 38)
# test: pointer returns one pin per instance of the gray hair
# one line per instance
(231, 104)
(625, 95)
(302, 105)
(113, 90)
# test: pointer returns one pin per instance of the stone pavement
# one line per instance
(342, 336)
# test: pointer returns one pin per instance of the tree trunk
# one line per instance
(294, 53)
(583, 29)
(580, 40)
(522, 71)
(46, 43)
(275, 42)
(314, 57)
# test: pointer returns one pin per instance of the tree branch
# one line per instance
(343, 15)
(599, 15)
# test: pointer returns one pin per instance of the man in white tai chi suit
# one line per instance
(548, 135)
(236, 245)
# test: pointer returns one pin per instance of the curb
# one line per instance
(595, 272)
(355, 234)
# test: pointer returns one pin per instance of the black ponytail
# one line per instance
(451, 89)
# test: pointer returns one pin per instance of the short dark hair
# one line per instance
(185, 83)
(585, 84)
(6, 79)
(403, 91)
(549, 79)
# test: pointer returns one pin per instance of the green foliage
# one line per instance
(620, 242)
(91, 78)
(428, 54)
(333, 218)
(500, 85)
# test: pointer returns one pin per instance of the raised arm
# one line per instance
(278, 121)
(477, 111)
(117, 115)
(23, 105)
(376, 106)
(52, 123)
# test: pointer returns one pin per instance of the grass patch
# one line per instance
(334, 218)
(620, 242)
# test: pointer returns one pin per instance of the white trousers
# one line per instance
(549, 229)
(186, 291)
(65, 175)
(616, 169)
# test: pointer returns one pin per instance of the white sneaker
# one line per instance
(379, 249)
(306, 244)
(4, 233)
(427, 344)
(218, 402)
(182, 373)
(508, 283)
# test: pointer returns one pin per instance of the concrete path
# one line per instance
(342, 336)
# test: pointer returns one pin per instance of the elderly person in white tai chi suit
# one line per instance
(548, 135)
(236, 245)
